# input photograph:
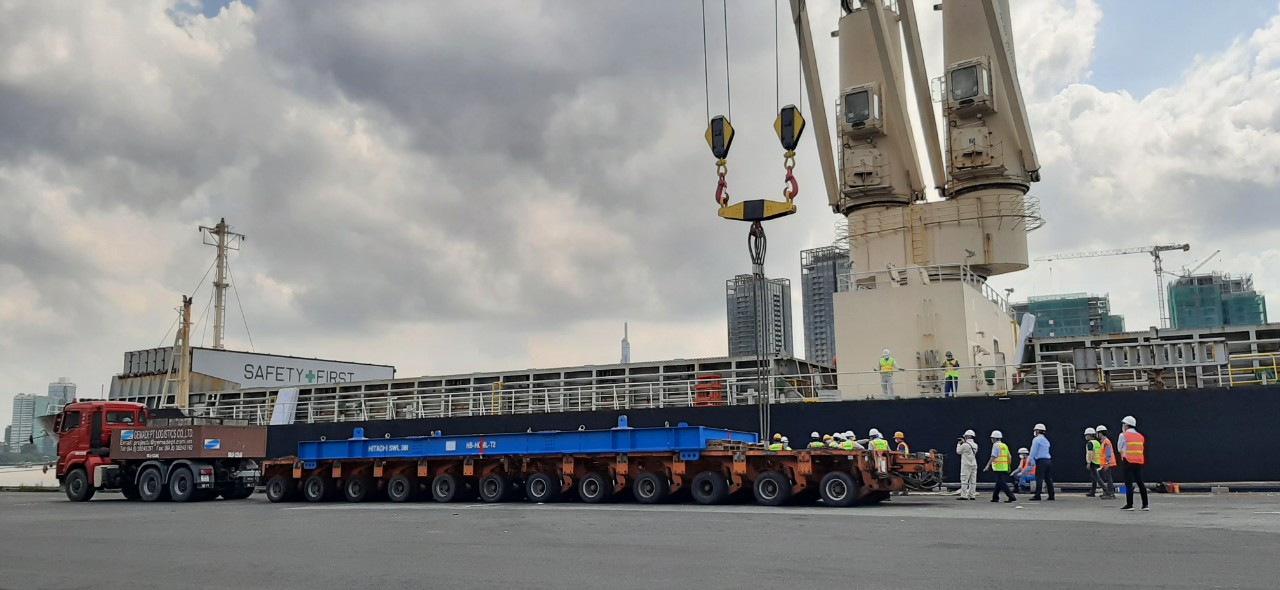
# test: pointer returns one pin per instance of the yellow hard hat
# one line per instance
(898, 434)
(826, 437)
(777, 436)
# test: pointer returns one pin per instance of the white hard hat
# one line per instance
(885, 352)
(996, 434)
(873, 432)
(1129, 421)
(1102, 428)
(1040, 427)
(1022, 451)
(786, 440)
(1089, 431)
(838, 436)
(970, 433)
(815, 434)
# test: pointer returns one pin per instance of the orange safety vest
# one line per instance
(1108, 453)
(1027, 467)
(903, 448)
(1135, 448)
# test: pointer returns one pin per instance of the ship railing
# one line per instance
(653, 392)
(1252, 369)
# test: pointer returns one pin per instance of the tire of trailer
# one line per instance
(595, 488)
(651, 488)
(316, 488)
(709, 487)
(78, 487)
(495, 487)
(446, 488)
(402, 488)
(238, 492)
(151, 486)
(542, 488)
(356, 489)
(280, 488)
(182, 485)
(772, 489)
(838, 489)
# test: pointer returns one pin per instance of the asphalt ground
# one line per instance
(919, 541)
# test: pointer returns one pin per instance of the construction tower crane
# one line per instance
(1154, 251)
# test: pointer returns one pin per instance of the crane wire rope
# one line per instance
(777, 71)
(193, 294)
(706, 72)
(204, 317)
(243, 318)
(728, 86)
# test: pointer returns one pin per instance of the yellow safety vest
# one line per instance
(1095, 452)
(1001, 462)
(847, 445)
(887, 365)
(880, 444)
(775, 447)
(953, 367)
(817, 445)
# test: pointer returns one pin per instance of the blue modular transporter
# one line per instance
(622, 439)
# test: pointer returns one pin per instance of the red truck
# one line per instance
(121, 446)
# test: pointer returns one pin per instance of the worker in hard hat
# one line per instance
(1108, 463)
(878, 443)
(1092, 459)
(858, 445)
(1025, 474)
(1044, 462)
(887, 366)
(776, 445)
(829, 441)
(786, 444)
(815, 441)
(967, 448)
(951, 381)
(1133, 456)
(900, 443)
(999, 463)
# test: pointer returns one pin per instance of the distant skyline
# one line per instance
(455, 187)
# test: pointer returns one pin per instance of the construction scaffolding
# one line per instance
(1071, 315)
(1215, 300)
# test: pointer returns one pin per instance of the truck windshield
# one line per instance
(120, 418)
(70, 421)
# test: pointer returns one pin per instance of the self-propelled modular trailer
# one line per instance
(596, 465)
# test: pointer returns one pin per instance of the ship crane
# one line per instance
(1154, 251)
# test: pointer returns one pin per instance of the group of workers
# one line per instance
(1036, 464)
(846, 441)
(888, 365)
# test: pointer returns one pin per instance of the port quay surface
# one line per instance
(917, 541)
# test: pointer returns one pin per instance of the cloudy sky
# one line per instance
(451, 187)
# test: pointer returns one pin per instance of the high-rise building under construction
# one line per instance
(1071, 315)
(740, 304)
(820, 272)
(1215, 300)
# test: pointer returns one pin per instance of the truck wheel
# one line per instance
(446, 488)
(78, 487)
(182, 485)
(151, 486)
(402, 488)
(495, 487)
(356, 489)
(595, 488)
(130, 491)
(316, 488)
(709, 487)
(650, 488)
(772, 489)
(838, 489)
(281, 488)
(541, 488)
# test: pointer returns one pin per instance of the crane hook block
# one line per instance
(790, 126)
(720, 136)
(757, 210)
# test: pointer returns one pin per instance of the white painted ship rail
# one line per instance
(404, 400)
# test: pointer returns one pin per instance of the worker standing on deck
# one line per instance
(1108, 463)
(1133, 455)
(1044, 462)
(952, 378)
(999, 462)
(887, 366)
(1092, 462)
(776, 445)
(878, 443)
(1025, 473)
(815, 441)
(967, 448)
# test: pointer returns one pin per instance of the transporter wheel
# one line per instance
(237, 492)
(838, 489)
(709, 487)
(78, 487)
(772, 489)
(446, 488)
(595, 488)
(281, 489)
(357, 489)
(151, 486)
(182, 485)
(541, 488)
(402, 488)
(495, 487)
(316, 488)
(651, 488)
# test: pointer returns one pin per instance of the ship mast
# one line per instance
(221, 237)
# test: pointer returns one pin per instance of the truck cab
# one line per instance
(83, 430)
